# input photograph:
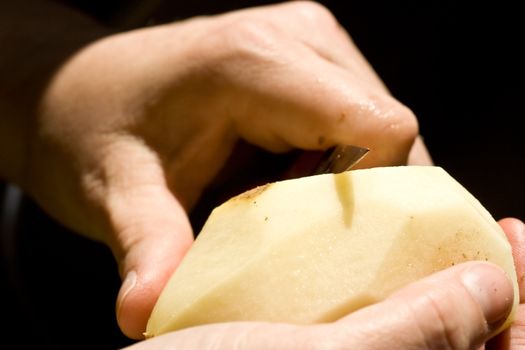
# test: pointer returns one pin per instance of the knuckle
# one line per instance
(314, 12)
(249, 36)
(406, 123)
(390, 129)
(436, 330)
(398, 122)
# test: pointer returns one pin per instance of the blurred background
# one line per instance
(457, 65)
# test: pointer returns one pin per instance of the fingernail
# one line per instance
(493, 291)
(125, 289)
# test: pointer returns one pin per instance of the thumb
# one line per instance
(151, 235)
(458, 308)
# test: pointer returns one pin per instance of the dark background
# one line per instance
(457, 66)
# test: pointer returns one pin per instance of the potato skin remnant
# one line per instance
(251, 194)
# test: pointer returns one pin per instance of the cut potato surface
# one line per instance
(314, 249)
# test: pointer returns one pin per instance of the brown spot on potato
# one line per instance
(321, 140)
(253, 193)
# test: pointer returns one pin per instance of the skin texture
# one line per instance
(117, 135)
(514, 338)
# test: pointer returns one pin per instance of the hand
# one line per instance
(423, 315)
(132, 128)
(514, 338)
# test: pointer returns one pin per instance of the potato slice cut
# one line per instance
(317, 248)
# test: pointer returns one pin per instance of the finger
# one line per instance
(154, 236)
(458, 308)
(514, 338)
(330, 40)
(422, 315)
(516, 334)
(230, 336)
(150, 231)
(315, 26)
(419, 154)
(515, 231)
(307, 102)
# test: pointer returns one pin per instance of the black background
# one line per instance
(456, 65)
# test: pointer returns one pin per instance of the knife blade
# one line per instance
(340, 158)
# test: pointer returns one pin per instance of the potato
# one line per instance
(314, 249)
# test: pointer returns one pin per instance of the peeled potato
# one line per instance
(317, 248)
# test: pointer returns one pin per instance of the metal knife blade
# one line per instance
(340, 159)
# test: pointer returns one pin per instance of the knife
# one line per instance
(340, 158)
